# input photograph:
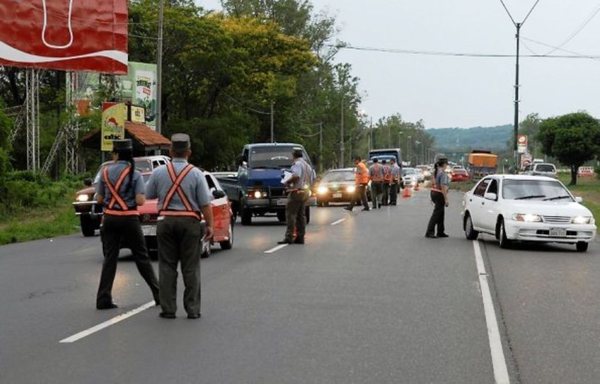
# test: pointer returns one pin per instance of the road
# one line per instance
(367, 299)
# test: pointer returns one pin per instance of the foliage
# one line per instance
(573, 139)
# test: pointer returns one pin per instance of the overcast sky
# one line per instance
(454, 91)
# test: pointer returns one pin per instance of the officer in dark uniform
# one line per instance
(121, 190)
(183, 201)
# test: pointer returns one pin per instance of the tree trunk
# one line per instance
(574, 174)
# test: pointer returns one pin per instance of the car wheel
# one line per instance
(228, 244)
(504, 242)
(326, 203)
(246, 217)
(87, 226)
(581, 246)
(470, 233)
(307, 214)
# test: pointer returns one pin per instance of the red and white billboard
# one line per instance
(77, 35)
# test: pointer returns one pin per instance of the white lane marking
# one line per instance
(339, 221)
(108, 323)
(277, 248)
(498, 361)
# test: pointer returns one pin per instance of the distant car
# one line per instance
(459, 174)
(223, 220)
(585, 171)
(541, 169)
(410, 176)
(527, 208)
(336, 186)
(426, 171)
(85, 205)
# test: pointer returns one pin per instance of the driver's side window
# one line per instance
(481, 187)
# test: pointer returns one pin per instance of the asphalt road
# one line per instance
(365, 300)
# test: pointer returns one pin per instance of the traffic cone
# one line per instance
(406, 192)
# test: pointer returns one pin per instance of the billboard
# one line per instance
(76, 35)
(113, 124)
(522, 143)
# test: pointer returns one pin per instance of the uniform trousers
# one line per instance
(393, 193)
(360, 195)
(437, 217)
(179, 241)
(295, 216)
(126, 231)
(385, 199)
(376, 191)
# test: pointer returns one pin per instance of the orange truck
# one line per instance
(482, 163)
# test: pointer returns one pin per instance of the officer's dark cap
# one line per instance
(180, 142)
(297, 153)
(375, 160)
(122, 145)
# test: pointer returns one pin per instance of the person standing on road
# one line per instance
(387, 182)
(121, 189)
(298, 189)
(395, 171)
(439, 197)
(182, 193)
(376, 172)
(361, 182)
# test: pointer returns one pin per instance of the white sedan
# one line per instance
(527, 208)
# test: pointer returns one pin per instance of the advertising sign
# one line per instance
(113, 124)
(138, 115)
(65, 34)
(522, 143)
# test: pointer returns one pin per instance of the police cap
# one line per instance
(180, 142)
(297, 153)
(122, 145)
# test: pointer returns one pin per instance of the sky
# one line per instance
(457, 91)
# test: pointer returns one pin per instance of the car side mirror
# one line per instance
(87, 182)
(578, 199)
(490, 196)
(217, 194)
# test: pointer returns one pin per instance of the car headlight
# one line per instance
(527, 217)
(258, 194)
(581, 220)
(322, 190)
(83, 198)
(351, 189)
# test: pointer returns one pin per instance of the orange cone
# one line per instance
(406, 192)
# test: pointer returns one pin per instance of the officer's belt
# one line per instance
(193, 214)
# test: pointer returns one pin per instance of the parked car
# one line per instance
(336, 185)
(85, 205)
(585, 171)
(459, 174)
(541, 169)
(223, 220)
(527, 208)
(410, 176)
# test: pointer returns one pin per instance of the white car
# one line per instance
(527, 208)
(410, 176)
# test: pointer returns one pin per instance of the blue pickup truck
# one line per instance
(257, 190)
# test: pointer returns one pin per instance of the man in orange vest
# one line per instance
(183, 202)
(361, 181)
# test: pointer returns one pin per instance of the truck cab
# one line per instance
(259, 177)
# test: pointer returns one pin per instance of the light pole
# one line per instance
(342, 132)
(159, 50)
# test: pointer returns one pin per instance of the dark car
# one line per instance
(85, 205)
(336, 186)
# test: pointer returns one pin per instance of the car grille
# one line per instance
(557, 219)
(277, 192)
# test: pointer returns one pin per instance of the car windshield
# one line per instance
(338, 176)
(408, 171)
(534, 189)
(271, 157)
(544, 168)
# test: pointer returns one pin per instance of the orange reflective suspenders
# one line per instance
(176, 188)
(115, 197)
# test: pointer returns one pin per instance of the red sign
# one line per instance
(64, 34)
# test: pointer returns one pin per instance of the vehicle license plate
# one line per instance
(337, 195)
(281, 202)
(149, 230)
(558, 232)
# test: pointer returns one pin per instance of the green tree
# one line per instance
(5, 128)
(573, 139)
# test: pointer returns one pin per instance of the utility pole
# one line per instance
(159, 52)
(272, 121)
(342, 132)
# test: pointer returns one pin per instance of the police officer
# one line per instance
(376, 172)
(387, 182)
(182, 193)
(361, 182)
(439, 196)
(298, 188)
(121, 190)
(395, 171)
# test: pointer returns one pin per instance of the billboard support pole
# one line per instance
(159, 49)
(32, 119)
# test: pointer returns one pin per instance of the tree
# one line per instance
(573, 139)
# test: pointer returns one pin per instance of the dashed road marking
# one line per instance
(277, 248)
(339, 221)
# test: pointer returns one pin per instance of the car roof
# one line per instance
(274, 145)
(520, 177)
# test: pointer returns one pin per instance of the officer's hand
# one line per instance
(209, 233)
(446, 203)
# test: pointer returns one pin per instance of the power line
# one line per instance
(577, 31)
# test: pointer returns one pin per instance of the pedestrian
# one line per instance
(439, 197)
(361, 182)
(395, 183)
(387, 182)
(120, 190)
(298, 190)
(183, 202)
(376, 172)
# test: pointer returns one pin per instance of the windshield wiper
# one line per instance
(529, 197)
(558, 197)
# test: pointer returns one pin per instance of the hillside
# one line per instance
(465, 139)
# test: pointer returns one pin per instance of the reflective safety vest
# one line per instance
(387, 174)
(376, 173)
(116, 198)
(361, 175)
(176, 188)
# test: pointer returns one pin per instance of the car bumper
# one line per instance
(275, 203)
(545, 232)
